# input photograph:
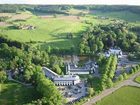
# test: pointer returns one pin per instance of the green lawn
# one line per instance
(137, 79)
(124, 96)
(16, 94)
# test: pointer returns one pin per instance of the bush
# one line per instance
(120, 78)
(125, 76)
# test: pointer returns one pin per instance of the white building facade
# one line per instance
(61, 80)
(117, 52)
(88, 68)
(67, 80)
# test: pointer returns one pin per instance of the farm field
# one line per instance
(47, 29)
(53, 30)
(124, 15)
(124, 96)
(50, 31)
(16, 94)
(137, 79)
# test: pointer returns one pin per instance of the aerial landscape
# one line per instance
(69, 54)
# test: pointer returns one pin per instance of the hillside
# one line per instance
(53, 24)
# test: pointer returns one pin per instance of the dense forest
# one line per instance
(62, 9)
(25, 66)
(102, 37)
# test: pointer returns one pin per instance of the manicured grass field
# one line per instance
(124, 96)
(16, 94)
(137, 79)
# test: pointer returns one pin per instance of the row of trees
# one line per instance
(62, 9)
(114, 8)
(124, 75)
(51, 9)
(107, 70)
(4, 39)
(101, 37)
(135, 69)
(111, 8)
(14, 8)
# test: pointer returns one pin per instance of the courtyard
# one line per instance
(73, 93)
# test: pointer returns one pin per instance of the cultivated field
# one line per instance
(21, 16)
(16, 94)
(77, 12)
(6, 14)
(124, 96)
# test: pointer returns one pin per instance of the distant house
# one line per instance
(27, 27)
(87, 68)
(61, 80)
(102, 17)
(114, 51)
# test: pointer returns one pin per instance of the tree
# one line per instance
(48, 49)
(90, 92)
(109, 83)
(53, 60)
(3, 76)
(47, 89)
(27, 74)
(125, 76)
(102, 85)
(55, 16)
(100, 45)
(87, 50)
(94, 48)
(125, 45)
(120, 77)
(57, 69)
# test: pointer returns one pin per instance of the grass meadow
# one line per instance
(52, 31)
(137, 79)
(124, 96)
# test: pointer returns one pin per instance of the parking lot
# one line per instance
(124, 65)
(74, 92)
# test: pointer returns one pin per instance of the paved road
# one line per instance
(111, 90)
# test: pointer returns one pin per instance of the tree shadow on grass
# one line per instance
(12, 27)
(16, 94)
